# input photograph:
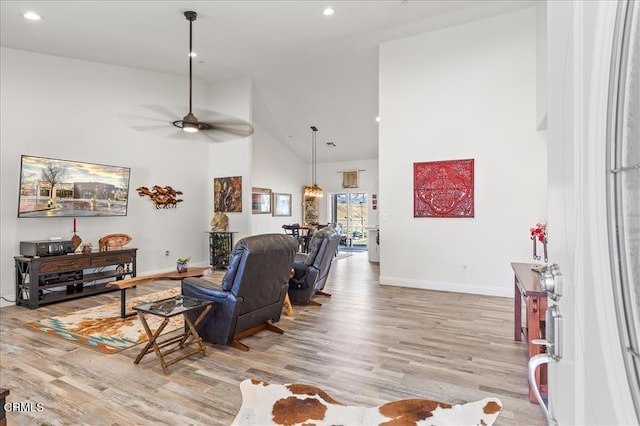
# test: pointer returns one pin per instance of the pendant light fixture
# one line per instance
(313, 190)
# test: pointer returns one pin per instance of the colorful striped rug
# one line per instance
(101, 328)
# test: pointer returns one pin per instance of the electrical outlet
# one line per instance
(167, 252)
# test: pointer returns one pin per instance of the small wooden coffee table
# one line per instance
(123, 285)
(167, 308)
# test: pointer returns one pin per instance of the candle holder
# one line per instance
(76, 240)
(539, 237)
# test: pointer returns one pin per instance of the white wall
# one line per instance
(462, 92)
(280, 170)
(541, 65)
(232, 157)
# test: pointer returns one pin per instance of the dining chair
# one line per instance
(294, 231)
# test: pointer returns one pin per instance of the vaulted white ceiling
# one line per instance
(307, 68)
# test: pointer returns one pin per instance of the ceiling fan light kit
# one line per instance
(190, 124)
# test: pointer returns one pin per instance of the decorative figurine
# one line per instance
(219, 222)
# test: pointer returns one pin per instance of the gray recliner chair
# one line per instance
(311, 270)
(251, 295)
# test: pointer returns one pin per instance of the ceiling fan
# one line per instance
(217, 127)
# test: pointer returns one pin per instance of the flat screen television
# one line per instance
(50, 187)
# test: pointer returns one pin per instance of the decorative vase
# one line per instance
(182, 267)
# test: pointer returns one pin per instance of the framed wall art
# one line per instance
(351, 179)
(260, 201)
(443, 189)
(281, 204)
(227, 194)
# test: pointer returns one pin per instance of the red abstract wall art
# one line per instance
(443, 189)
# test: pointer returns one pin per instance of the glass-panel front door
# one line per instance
(350, 213)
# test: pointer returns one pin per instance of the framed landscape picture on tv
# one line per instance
(51, 187)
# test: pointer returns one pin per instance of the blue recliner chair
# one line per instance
(251, 295)
(311, 270)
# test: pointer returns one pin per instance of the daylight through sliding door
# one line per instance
(350, 212)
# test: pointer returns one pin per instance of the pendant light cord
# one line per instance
(313, 159)
(190, 60)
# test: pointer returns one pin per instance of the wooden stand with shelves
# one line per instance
(310, 210)
(220, 246)
(42, 280)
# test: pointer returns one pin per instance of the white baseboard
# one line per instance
(447, 286)
(5, 303)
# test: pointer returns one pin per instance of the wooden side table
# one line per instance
(167, 308)
(123, 285)
(527, 288)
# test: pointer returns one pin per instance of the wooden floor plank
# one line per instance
(366, 345)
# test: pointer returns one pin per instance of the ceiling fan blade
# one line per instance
(213, 135)
(241, 130)
(171, 114)
(141, 119)
(147, 127)
(225, 123)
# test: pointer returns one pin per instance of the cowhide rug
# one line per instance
(299, 404)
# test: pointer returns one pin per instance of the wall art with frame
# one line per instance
(443, 189)
(260, 201)
(227, 194)
(281, 204)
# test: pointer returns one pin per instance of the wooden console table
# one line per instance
(49, 279)
(527, 287)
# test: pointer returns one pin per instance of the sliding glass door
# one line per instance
(350, 212)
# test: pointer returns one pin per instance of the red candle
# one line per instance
(74, 224)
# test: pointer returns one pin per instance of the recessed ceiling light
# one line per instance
(378, 119)
(32, 16)
(193, 54)
(328, 11)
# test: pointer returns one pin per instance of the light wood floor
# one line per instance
(368, 344)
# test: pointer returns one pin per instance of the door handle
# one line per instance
(551, 281)
(535, 362)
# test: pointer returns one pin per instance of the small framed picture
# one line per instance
(260, 200)
(281, 204)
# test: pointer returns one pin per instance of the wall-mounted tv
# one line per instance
(61, 188)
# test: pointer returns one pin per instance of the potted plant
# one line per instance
(182, 264)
